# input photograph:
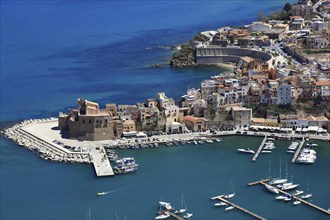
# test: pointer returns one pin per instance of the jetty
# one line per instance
(298, 151)
(101, 162)
(293, 196)
(259, 149)
(220, 197)
(171, 214)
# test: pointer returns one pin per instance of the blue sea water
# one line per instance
(53, 52)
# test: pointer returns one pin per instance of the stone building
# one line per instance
(195, 123)
(88, 122)
(305, 11)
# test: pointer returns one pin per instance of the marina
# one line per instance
(262, 182)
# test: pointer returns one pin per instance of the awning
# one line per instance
(313, 128)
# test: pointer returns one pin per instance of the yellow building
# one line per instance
(265, 122)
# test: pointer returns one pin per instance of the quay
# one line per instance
(220, 197)
(298, 151)
(171, 214)
(295, 197)
(258, 182)
(259, 149)
(101, 162)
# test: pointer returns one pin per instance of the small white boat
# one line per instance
(306, 196)
(218, 140)
(297, 202)
(180, 211)
(266, 151)
(290, 151)
(209, 141)
(281, 197)
(165, 205)
(229, 196)
(163, 216)
(277, 181)
(247, 150)
(287, 199)
(195, 142)
(270, 139)
(298, 192)
(200, 142)
(101, 193)
(229, 208)
(188, 215)
(220, 204)
(272, 189)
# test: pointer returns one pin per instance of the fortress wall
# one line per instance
(212, 55)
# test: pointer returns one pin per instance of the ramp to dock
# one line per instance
(238, 207)
(298, 151)
(259, 149)
(101, 162)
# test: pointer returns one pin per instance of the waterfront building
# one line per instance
(241, 117)
(149, 117)
(89, 122)
(129, 126)
(186, 101)
(269, 122)
(196, 123)
(208, 87)
(164, 101)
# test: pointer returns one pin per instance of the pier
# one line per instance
(101, 162)
(259, 149)
(298, 151)
(238, 207)
(171, 214)
(295, 197)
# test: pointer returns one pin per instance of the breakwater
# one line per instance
(54, 151)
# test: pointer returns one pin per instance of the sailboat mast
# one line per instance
(280, 168)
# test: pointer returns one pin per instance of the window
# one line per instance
(83, 121)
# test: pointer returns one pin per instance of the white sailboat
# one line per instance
(166, 205)
(297, 202)
(307, 195)
(187, 215)
(218, 204)
(272, 189)
(162, 216)
(183, 206)
(278, 180)
(232, 194)
(229, 208)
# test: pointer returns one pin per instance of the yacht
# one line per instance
(101, 193)
(247, 150)
(187, 215)
(272, 189)
(291, 186)
(279, 180)
(306, 196)
(281, 197)
(229, 208)
(220, 204)
(270, 139)
(200, 142)
(209, 141)
(266, 151)
(287, 199)
(293, 146)
(195, 142)
(166, 205)
(297, 202)
(290, 151)
(231, 195)
(218, 140)
(169, 144)
(298, 192)
(183, 206)
(163, 216)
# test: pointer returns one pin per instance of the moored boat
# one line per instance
(220, 204)
(247, 150)
(229, 208)
(163, 216)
